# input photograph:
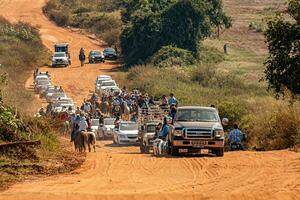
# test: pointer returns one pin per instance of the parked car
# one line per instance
(99, 81)
(126, 132)
(63, 100)
(96, 56)
(107, 129)
(60, 59)
(41, 77)
(110, 54)
(50, 91)
(42, 85)
(53, 97)
(63, 47)
(107, 85)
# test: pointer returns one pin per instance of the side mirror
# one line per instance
(225, 121)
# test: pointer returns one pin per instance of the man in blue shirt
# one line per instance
(172, 100)
(236, 136)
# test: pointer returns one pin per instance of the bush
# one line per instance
(172, 56)
(276, 128)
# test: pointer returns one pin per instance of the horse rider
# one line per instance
(81, 57)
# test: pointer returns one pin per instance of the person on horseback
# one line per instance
(81, 57)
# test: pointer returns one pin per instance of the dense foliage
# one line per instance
(283, 64)
(21, 50)
(172, 56)
(152, 24)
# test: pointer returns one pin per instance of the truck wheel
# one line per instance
(142, 149)
(218, 152)
(174, 151)
(146, 149)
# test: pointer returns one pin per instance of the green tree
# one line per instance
(283, 64)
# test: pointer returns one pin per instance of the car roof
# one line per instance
(127, 122)
(108, 81)
(61, 44)
(95, 51)
(196, 107)
(109, 49)
(60, 53)
(103, 76)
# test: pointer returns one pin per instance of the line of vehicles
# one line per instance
(53, 94)
(61, 56)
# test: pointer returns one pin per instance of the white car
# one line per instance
(60, 59)
(126, 132)
(42, 85)
(95, 125)
(50, 91)
(107, 129)
(108, 86)
(99, 81)
(63, 101)
(53, 97)
(40, 77)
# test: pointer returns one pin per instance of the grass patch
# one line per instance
(101, 18)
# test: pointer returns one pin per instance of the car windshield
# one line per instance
(43, 82)
(128, 126)
(59, 55)
(197, 115)
(109, 121)
(95, 53)
(95, 122)
(108, 84)
(110, 50)
(151, 128)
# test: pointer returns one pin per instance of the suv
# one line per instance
(146, 136)
(196, 128)
(110, 53)
(64, 48)
(60, 59)
(96, 56)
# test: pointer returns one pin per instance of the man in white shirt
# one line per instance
(82, 125)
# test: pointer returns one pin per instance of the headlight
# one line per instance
(178, 133)
(122, 136)
(219, 133)
(93, 57)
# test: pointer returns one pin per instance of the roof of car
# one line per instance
(127, 122)
(196, 107)
(109, 49)
(61, 44)
(103, 76)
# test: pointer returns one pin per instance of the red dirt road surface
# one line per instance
(122, 172)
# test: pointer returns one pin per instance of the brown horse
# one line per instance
(91, 140)
(81, 141)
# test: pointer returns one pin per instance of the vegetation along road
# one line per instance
(122, 172)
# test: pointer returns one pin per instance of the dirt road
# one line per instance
(76, 80)
(123, 173)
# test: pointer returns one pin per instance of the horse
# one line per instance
(91, 140)
(80, 141)
(66, 127)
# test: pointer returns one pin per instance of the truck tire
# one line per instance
(219, 152)
(174, 151)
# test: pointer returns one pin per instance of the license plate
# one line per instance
(198, 144)
(183, 150)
